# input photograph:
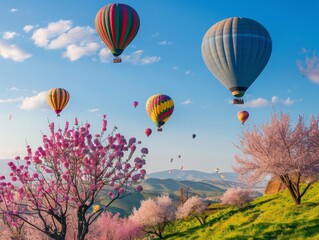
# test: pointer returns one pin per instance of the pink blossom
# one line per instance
(35, 175)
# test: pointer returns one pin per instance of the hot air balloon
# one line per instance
(242, 116)
(179, 156)
(148, 131)
(135, 103)
(170, 171)
(193, 136)
(96, 208)
(216, 170)
(222, 176)
(159, 108)
(10, 116)
(58, 98)
(236, 50)
(182, 167)
(171, 159)
(117, 25)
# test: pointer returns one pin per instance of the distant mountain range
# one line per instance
(193, 175)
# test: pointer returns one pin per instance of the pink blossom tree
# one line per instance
(283, 149)
(236, 196)
(66, 175)
(194, 207)
(154, 214)
(113, 227)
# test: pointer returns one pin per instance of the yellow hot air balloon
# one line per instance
(58, 98)
(236, 50)
(96, 208)
(242, 116)
(159, 108)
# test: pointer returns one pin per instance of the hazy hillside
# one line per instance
(269, 217)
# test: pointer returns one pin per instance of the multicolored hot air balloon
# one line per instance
(236, 50)
(243, 116)
(58, 98)
(117, 25)
(159, 108)
(148, 131)
(135, 103)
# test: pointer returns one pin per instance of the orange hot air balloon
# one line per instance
(242, 116)
(148, 131)
(58, 98)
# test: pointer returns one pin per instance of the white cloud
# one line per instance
(42, 36)
(13, 10)
(93, 110)
(74, 35)
(11, 100)
(176, 68)
(310, 68)
(105, 55)
(9, 35)
(262, 102)
(74, 52)
(136, 58)
(28, 28)
(287, 101)
(189, 72)
(188, 101)
(155, 34)
(13, 52)
(162, 43)
(38, 101)
(14, 89)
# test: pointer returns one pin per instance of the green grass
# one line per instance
(268, 217)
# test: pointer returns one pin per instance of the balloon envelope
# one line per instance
(58, 98)
(135, 103)
(148, 131)
(242, 116)
(236, 50)
(117, 25)
(159, 108)
(194, 136)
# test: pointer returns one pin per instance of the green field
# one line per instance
(267, 217)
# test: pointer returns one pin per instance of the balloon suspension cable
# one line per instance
(117, 60)
(238, 101)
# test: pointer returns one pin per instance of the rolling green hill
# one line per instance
(268, 217)
(153, 187)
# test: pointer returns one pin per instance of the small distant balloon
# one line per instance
(171, 159)
(182, 167)
(179, 156)
(170, 171)
(222, 176)
(96, 208)
(148, 131)
(242, 116)
(135, 103)
(194, 136)
(10, 116)
(216, 170)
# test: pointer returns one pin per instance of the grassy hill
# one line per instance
(268, 217)
(155, 187)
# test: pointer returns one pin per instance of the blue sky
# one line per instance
(46, 44)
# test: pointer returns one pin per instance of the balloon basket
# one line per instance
(238, 101)
(160, 130)
(117, 60)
